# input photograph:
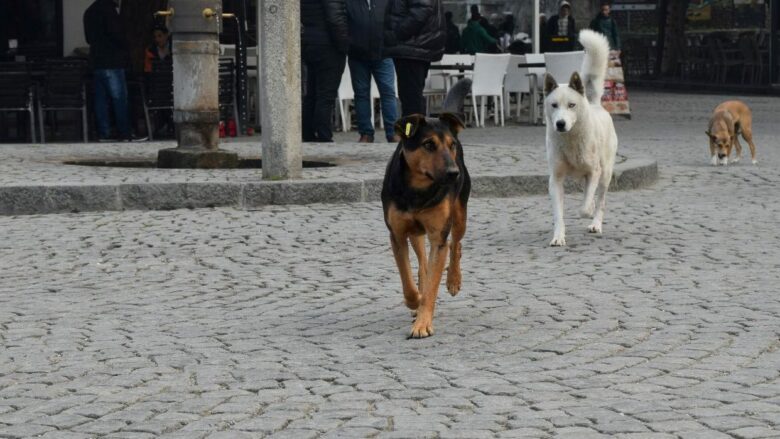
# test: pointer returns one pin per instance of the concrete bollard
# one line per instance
(280, 87)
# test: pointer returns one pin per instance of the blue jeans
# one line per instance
(384, 75)
(111, 84)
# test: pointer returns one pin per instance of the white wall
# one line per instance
(73, 24)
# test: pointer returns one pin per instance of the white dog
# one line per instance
(581, 139)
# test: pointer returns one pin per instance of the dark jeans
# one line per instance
(110, 84)
(384, 76)
(324, 67)
(411, 82)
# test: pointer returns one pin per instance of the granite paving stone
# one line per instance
(288, 321)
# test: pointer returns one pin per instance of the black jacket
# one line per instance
(105, 35)
(366, 28)
(416, 29)
(324, 23)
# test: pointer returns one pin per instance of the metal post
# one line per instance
(280, 88)
(195, 25)
(660, 45)
(258, 76)
(241, 65)
(774, 47)
(535, 26)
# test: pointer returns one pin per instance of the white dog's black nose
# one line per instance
(560, 125)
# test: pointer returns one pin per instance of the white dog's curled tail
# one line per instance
(594, 66)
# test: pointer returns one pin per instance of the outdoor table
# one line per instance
(458, 67)
(448, 77)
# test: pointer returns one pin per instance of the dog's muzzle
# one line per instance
(560, 125)
(452, 174)
(721, 156)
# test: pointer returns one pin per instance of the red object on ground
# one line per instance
(221, 129)
(250, 131)
(231, 128)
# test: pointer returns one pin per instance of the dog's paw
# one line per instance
(422, 327)
(594, 228)
(714, 160)
(558, 241)
(453, 282)
(755, 162)
(737, 159)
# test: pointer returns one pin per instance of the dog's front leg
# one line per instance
(590, 192)
(556, 195)
(738, 147)
(400, 247)
(713, 154)
(423, 324)
(418, 245)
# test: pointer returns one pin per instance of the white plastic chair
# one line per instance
(536, 80)
(435, 86)
(562, 64)
(516, 82)
(343, 98)
(488, 81)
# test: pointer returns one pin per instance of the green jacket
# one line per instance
(608, 27)
(475, 39)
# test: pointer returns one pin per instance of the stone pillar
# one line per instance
(280, 87)
(195, 26)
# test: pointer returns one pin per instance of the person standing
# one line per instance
(606, 25)
(476, 39)
(415, 34)
(453, 35)
(324, 45)
(561, 30)
(160, 51)
(108, 58)
(476, 16)
(366, 44)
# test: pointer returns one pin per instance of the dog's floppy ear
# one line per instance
(576, 83)
(549, 84)
(453, 122)
(408, 125)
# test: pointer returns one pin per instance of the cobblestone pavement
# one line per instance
(288, 321)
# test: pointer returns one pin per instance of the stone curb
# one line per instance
(45, 199)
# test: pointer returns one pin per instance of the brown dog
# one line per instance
(425, 192)
(729, 120)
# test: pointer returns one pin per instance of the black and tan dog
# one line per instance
(425, 193)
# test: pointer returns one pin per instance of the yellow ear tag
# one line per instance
(408, 129)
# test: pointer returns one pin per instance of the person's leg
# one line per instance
(329, 72)
(411, 82)
(117, 88)
(101, 104)
(384, 74)
(361, 83)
